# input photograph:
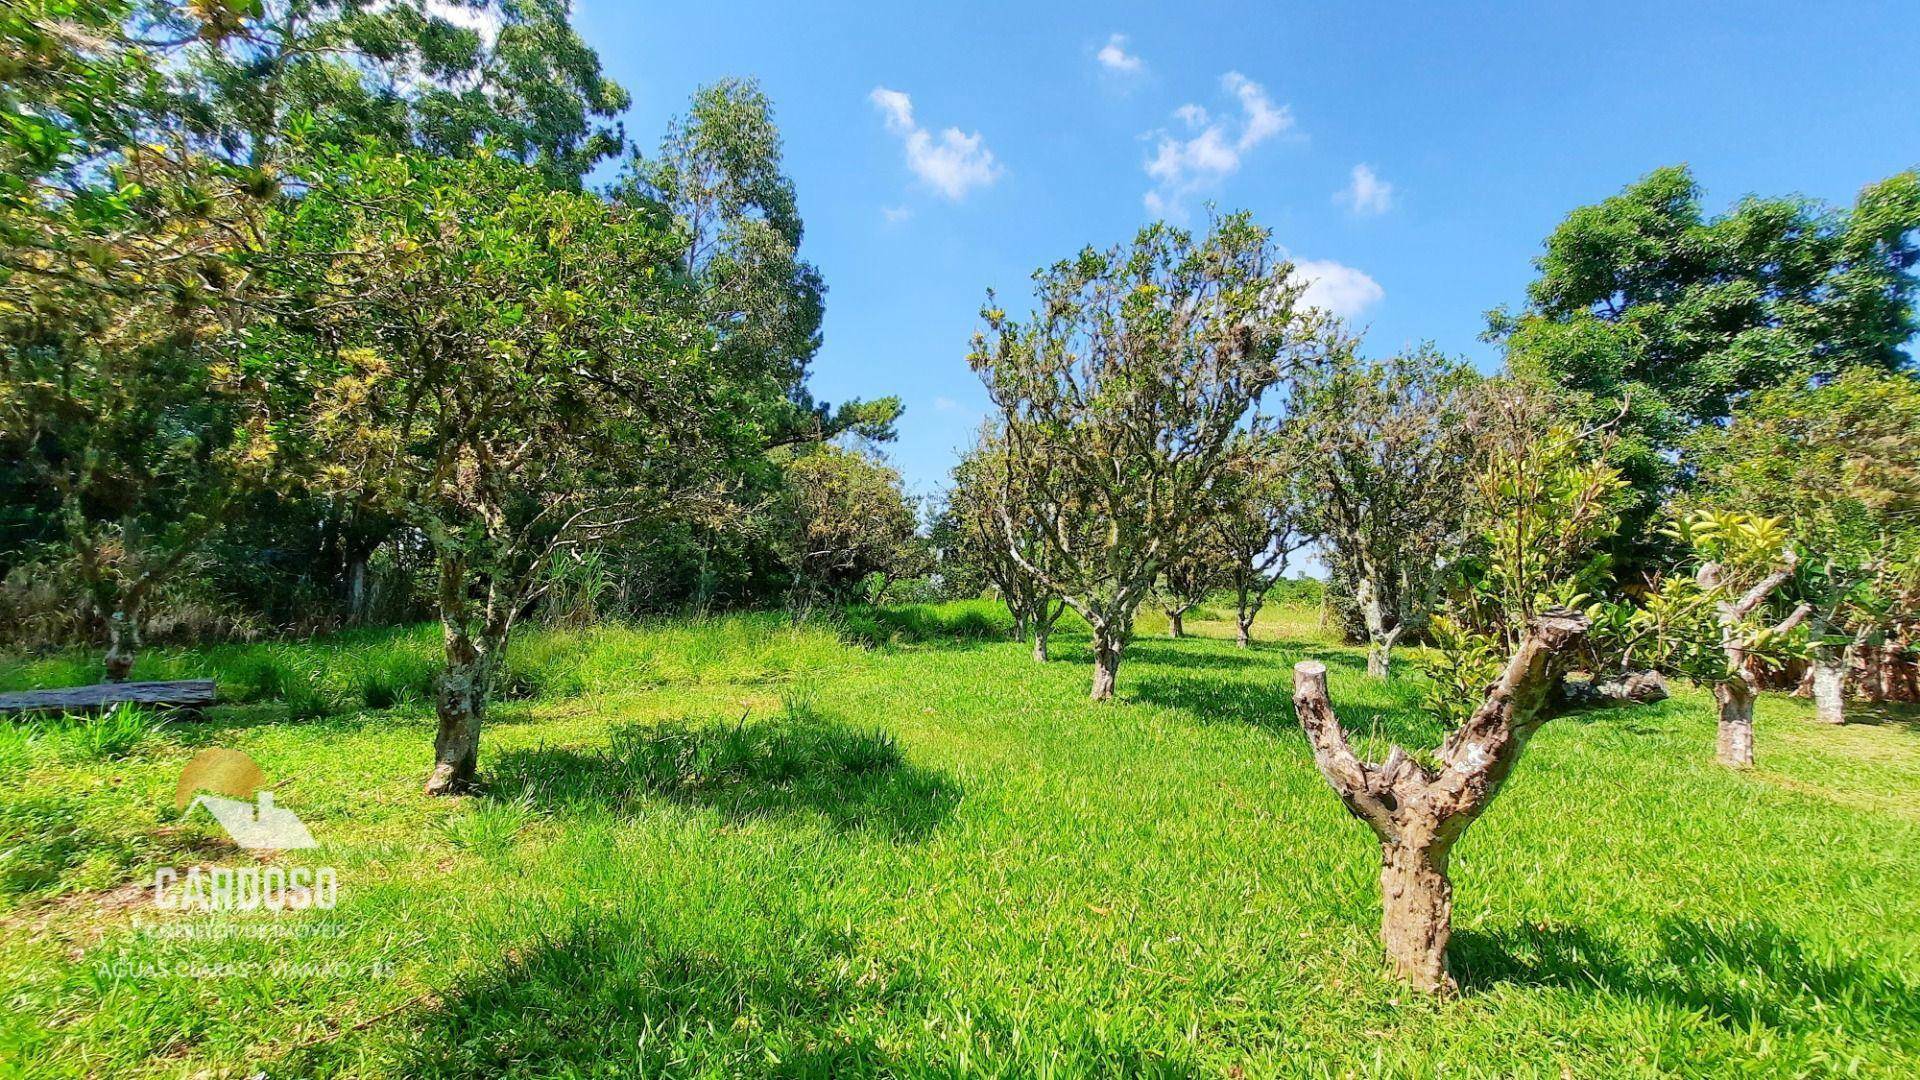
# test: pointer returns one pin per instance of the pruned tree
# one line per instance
(1120, 396)
(983, 491)
(1839, 464)
(1260, 525)
(1419, 812)
(509, 370)
(1711, 626)
(1383, 449)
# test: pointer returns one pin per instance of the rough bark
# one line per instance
(1243, 637)
(461, 705)
(1176, 624)
(1416, 914)
(1735, 693)
(1417, 813)
(1828, 673)
(1382, 632)
(1734, 747)
(123, 644)
(1106, 664)
(1040, 632)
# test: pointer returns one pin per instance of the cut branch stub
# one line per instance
(1418, 813)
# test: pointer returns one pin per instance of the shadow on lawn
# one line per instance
(1748, 973)
(608, 996)
(1892, 714)
(797, 764)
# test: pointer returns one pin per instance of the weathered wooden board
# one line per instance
(179, 694)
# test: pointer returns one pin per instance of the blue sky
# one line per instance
(942, 149)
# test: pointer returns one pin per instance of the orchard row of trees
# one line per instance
(1701, 459)
(284, 285)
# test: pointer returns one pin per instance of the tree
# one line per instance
(1539, 506)
(985, 494)
(1383, 451)
(718, 172)
(1644, 302)
(125, 289)
(1190, 576)
(511, 371)
(1839, 464)
(1419, 812)
(850, 520)
(1120, 397)
(1261, 524)
(1711, 627)
(445, 77)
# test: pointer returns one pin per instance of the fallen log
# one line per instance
(187, 694)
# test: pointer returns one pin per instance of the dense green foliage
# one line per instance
(1646, 303)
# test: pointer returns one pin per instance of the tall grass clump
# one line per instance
(113, 734)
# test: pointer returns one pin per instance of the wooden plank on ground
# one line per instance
(177, 694)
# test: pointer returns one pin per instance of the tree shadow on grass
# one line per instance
(1269, 704)
(1166, 653)
(608, 996)
(1902, 715)
(796, 764)
(1748, 972)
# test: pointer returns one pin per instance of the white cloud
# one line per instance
(945, 404)
(896, 214)
(1338, 288)
(1366, 193)
(1213, 146)
(952, 164)
(1115, 58)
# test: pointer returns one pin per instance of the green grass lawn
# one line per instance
(899, 847)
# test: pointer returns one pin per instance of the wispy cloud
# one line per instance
(945, 404)
(1206, 148)
(1365, 193)
(952, 164)
(1338, 288)
(896, 214)
(1115, 58)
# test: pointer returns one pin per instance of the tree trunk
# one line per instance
(461, 703)
(1828, 672)
(1176, 624)
(1416, 914)
(1419, 811)
(1380, 637)
(1379, 657)
(357, 598)
(123, 643)
(1735, 747)
(1244, 636)
(1040, 632)
(1106, 664)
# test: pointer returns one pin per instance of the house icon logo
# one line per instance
(222, 781)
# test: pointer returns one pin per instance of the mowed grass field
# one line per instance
(895, 846)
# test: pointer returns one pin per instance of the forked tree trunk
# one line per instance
(1828, 673)
(1243, 636)
(123, 643)
(1176, 624)
(1418, 813)
(1106, 664)
(1734, 747)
